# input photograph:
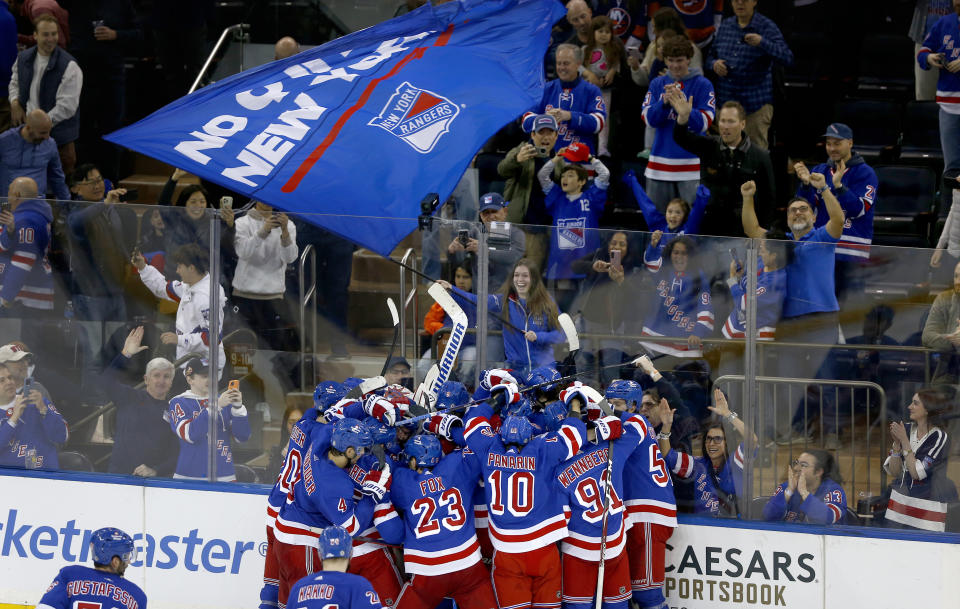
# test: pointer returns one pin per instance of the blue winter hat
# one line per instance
(839, 131)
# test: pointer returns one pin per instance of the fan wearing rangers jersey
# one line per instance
(812, 493)
(651, 506)
(771, 290)
(525, 514)
(672, 172)
(584, 481)
(440, 549)
(576, 104)
(189, 415)
(334, 587)
(324, 496)
(941, 49)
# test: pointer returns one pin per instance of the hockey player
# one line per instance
(321, 497)
(440, 548)
(334, 587)
(78, 586)
(576, 209)
(526, 514)
(651, 508)
(189, 414)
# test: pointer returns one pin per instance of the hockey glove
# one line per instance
(442, 425)
(608, 428)
(381, 409)
(496, 376)
(377, 483)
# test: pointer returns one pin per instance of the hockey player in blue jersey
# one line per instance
(576, 209)
(584, 481)
(334, 587)
(80, 587)
(189, 415)
(813, 492)
(441, 551)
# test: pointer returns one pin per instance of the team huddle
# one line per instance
(553, 485)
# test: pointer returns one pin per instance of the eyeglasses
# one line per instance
(647, 404)
(800, 464)
(714, 439)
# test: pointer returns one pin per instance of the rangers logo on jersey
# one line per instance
(416, 116)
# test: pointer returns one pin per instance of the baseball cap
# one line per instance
(840, 131)
(577, 153)
(544, 121)
(492, 200)
(13, 353)
(198, 365)
(396, 359)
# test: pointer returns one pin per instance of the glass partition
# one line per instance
(826, 370)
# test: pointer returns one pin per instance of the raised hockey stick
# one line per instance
(440, 371)
(573, 343)
(396, 334)
(603, 526)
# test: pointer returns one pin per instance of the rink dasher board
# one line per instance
(202, 545)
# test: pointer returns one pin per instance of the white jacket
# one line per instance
(950, 237)
(193, 312)
(262, 263)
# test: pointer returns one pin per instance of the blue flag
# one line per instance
(367, 124)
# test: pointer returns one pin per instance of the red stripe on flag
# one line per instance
(311, 160)
(919, 513)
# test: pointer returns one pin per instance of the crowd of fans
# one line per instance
(707, 81)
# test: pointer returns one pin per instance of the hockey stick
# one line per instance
(440, 371)
(573, 342)
(396, 334)
(603, 526)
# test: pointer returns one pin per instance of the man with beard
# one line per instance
(942, 331)
(810, 306)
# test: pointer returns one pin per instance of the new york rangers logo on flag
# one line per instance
(417, 116)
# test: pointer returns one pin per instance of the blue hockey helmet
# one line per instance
(349, 432)
(553, 414)
(351, 382)
(516, 430)
(543, 374)
(452, 393)
(327, 393)
(108, 542)
(379, 433)
(629, 391)
(335, 542)
(425, 448)
(520, 408)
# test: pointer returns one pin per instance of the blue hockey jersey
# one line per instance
(583, 100)
(78, 586)
(683, 307)
(771, 291)
(440, 536)
(715, 492)
(290, 470)
(856, 196)
(25, 273)
(328, 589)
(670, 162)
(944, 38)
(31, 443)
(648, 488)
(582, 479)
(826, 505)
(323, 496)
(189, 417)
(575, 220)
(524, 511)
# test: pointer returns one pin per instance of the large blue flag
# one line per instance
(367, 124)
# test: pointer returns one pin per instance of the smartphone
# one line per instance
(4, 205)
(736, 259)
(131, 195)
(226, 202)
(463, 236)
(233, 385)
(615, 260)
(633, 52)
(27, 386)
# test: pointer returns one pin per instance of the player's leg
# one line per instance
(379, 569)
(421, 592)
(547, 578)
(511, 584)
(271, 575)
(579, 582)
(616, 582)
(647, 563)
(295, 562)
(471, 588)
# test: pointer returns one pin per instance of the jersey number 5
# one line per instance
(658, 469)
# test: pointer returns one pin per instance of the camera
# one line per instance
(543, 151)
